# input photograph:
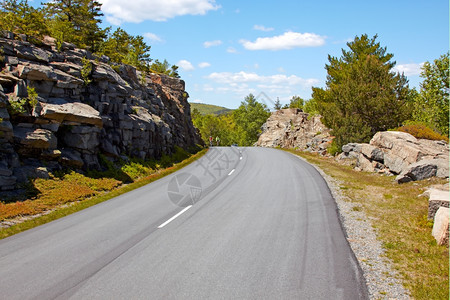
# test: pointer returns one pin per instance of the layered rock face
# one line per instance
(292, 128)
(85, 107)
(401, 154)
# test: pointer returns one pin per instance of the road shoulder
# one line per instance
(382, 280)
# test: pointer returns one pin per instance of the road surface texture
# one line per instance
(240, 223)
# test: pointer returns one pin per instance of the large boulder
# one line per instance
(372, 152)
(82, 138)
(440, 226)
(424, 169)
(437, 198)
(33, 53)
(31, 138)
(401, 154)
(389, 139)
(64, 112)
(71, 158)
(38, 72)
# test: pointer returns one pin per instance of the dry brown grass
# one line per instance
(400, 217)
(78, 189)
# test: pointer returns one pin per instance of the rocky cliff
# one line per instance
(293, 128)
(85, 106)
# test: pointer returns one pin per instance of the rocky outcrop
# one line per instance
(293, 128)
(400, 154)
(85, 106)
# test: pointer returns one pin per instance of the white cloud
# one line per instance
(136, 11)
(408, 69)
(263, 28)
(152, 37)
(208, 44)
(196, 101)
(286, 41)
(208, 88)
(204, 65)
(231, 50)
(185, 65)
(281, 81)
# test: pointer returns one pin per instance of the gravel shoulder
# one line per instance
(383, 282)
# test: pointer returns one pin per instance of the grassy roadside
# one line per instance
(82, 192)
(400, 218)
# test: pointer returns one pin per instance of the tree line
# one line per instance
(78, 22)
(241, 126)
(363, 95)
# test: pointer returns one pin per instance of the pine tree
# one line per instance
(362, 95)
(21, 18)
(277, 105)
(84, 15)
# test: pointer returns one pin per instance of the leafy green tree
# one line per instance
(210, 125)
(362, 95)
(431, 105)
(296, 102)
(249, 117)
(21, 18)
(310, 107)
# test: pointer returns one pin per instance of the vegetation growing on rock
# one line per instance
(78, 22)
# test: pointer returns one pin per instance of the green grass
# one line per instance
(79, 190)
(209, 109)
(400, 218)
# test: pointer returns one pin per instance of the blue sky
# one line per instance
(227, 49)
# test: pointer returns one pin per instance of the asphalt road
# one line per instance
(251, 223)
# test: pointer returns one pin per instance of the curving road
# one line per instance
(240, 223)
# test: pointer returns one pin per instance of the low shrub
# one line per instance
(334, 148)
(421, 131)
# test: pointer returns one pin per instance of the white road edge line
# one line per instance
(174, 217)
(231, 172)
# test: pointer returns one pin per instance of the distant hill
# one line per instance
(209, 109)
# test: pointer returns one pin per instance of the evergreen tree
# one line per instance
(138, 53)
(277, 105)
(116, 45)
(165, 68)
(21, 18)
(84, 15)
(362, 95)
